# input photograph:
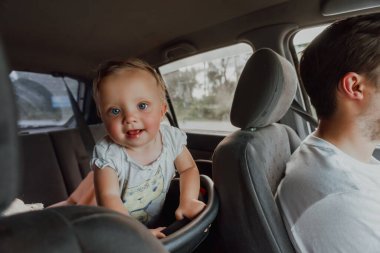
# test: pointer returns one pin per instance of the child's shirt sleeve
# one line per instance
(176, 139)
(106, 154)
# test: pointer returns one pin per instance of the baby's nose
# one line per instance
(129, 117)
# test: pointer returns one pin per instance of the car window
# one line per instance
(42, 99)
(201, 87)
(305, 36)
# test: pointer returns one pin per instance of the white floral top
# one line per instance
(142, 188)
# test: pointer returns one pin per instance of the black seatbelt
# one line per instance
(84, 130)
(297, 108)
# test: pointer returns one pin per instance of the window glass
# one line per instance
(305, 36)
(42, 99)
(201, 87)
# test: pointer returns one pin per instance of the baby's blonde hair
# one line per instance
(111, 67)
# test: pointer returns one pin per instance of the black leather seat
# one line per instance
(71, 229)
(248, 164)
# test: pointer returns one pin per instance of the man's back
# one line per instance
(330, 201)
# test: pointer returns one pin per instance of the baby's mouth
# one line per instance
(134, 133)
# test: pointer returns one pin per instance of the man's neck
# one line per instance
(347, 137)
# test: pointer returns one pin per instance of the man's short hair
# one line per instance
(350, 45)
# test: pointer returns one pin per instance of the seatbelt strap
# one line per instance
(84, 130)
(297, 108)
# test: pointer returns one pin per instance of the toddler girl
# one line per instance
(134, 164)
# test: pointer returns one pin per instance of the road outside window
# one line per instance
(201, 87)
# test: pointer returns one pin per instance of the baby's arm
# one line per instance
(107, 190)
(108, 194)
(189, 205)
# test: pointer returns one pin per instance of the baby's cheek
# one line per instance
(153, 123)
(113, 129)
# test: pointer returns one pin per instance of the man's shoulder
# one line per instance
(313, 142)
(312, 152)
(316, 163)
(311, 174)
(343, 220)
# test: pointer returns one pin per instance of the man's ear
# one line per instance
(352, 85)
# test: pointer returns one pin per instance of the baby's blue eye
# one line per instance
(115, 111)
(142, 106)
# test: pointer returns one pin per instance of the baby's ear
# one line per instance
(164, 109)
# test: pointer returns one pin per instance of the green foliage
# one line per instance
(205, 93)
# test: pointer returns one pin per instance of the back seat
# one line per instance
(71, 155)
(53, 163)
(42, 179)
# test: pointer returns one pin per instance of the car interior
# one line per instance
(232, 85)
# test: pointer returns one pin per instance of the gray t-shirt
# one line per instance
(330, 202)
(142, 188)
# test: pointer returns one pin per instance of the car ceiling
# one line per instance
(73, 37)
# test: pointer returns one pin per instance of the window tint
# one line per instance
(42, 99)
(201, 87)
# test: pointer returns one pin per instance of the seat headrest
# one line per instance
(265, 90)
(9, 152)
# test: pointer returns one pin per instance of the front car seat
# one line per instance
(73, 229)
(249, 164)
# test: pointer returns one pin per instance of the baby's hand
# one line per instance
(157, 232)
(189, 209)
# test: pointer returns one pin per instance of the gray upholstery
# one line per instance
(263, 95)
(42, 180)
(53, 165)
(61, 161)
(249, 164)
(72, 157)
